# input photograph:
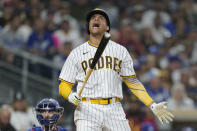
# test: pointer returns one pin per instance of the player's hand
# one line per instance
(74, 98)
(160, 110)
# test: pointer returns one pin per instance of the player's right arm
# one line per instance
(65, 88)
(67, 78)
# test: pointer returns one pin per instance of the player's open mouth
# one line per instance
(96, 25)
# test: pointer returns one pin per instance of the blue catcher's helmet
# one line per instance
(48, 104)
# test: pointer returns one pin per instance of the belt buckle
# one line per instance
(108, 100)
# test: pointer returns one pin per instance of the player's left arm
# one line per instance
(137, 88)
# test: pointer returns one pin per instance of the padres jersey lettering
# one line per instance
(103, 63)
(105, 81)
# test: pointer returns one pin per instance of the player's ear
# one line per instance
(107, 28)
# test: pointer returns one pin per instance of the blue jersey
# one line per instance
(38, 128)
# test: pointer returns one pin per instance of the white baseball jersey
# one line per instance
(105, 80)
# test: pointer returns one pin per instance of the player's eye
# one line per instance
(102, 17)
(52, 111)
(39, 110)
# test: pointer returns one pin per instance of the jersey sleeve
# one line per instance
(127, 65)
(69, 70)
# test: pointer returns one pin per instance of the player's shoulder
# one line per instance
(80, 47)
(35, 128)
(114, 44)
(60, 128)
(38, 128)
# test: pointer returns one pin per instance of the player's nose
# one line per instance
(46, 114)
(96, 18)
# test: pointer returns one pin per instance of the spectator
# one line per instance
(40, 42)
(129, 37)
(21, 115)
(49, 24)
(179, 99)
(63, 53)
(65, 13)
(66, 34)
(6, 16)
(191, 83)
(5, 115)
(154, 87)
(10, 35)
(175, 66)
(25, 30)
(159, 33)
(138, 11)
(158, 8)
(12, 38)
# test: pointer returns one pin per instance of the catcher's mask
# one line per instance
(51, 105)
(97, 11)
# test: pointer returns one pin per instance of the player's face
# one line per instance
(98, 24)
(48, 114)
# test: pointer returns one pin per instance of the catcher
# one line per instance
(48, 112)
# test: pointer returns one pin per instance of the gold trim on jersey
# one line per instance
(92, 44)
(139, 91)
(65, 81)
(128, 76)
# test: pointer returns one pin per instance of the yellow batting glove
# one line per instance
(160, 110)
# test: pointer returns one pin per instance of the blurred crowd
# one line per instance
(18, 116)
(161, 36)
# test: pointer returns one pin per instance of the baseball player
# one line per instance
(48, 112)
(98, 108)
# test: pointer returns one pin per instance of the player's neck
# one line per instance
(95, 39)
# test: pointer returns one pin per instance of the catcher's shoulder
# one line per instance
(35, 128)
(60, 128)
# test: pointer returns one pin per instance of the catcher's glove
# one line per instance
(160, 110)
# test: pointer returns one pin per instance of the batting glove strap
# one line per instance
(74, 98)
(160, 110)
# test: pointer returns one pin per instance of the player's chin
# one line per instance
(96, 31)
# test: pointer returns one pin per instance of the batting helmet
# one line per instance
(48, 104)
(97, 11)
